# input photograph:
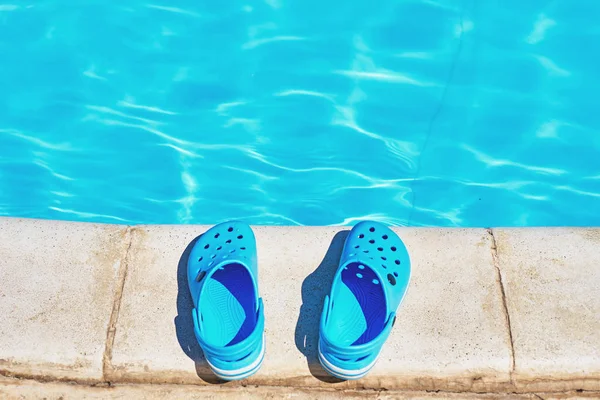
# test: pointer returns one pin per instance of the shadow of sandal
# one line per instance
(314, 289)
(184, 325)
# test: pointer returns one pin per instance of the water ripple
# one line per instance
(267, 111)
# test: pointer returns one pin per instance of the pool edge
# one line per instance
(531, 286)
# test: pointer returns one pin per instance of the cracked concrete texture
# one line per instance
(502, 289)
(57, 284)
(15, 389)
(460, 344)
(116, 306)
(552, 280)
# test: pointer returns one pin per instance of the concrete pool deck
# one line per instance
(488, 311)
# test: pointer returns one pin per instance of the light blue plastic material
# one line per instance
(360, 310)
(228, 312)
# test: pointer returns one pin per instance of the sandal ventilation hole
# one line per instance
(232, 251)
(228, 241)
(365, 251)
(380, 248)
(200, 276)
(230, 229)
(217, 235)
(395, 274)
(375, 281)
(361, 236)
(384, 237)
(240, 236)
(206, 246)
(242, 248)
(356, 247)
(393, 248)
(391, 279)
(397, 262)
(219, 248)
(371, 229)
(200, 259)
(350, 255)
(359, 275)
(371, 241)
(383, 265)
(361, 267)
(384, 258)
(213, 255)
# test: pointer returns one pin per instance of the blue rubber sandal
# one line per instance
(228, 312)
(367, 289)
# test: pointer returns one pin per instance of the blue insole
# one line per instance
(358, 313)
(228, 306)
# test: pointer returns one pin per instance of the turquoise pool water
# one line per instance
(445, 113)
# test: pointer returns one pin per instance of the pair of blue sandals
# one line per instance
(357, 317)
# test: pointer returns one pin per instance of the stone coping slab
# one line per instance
(552, 281)
(57, 288)
(461, 342)
(487, 311)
